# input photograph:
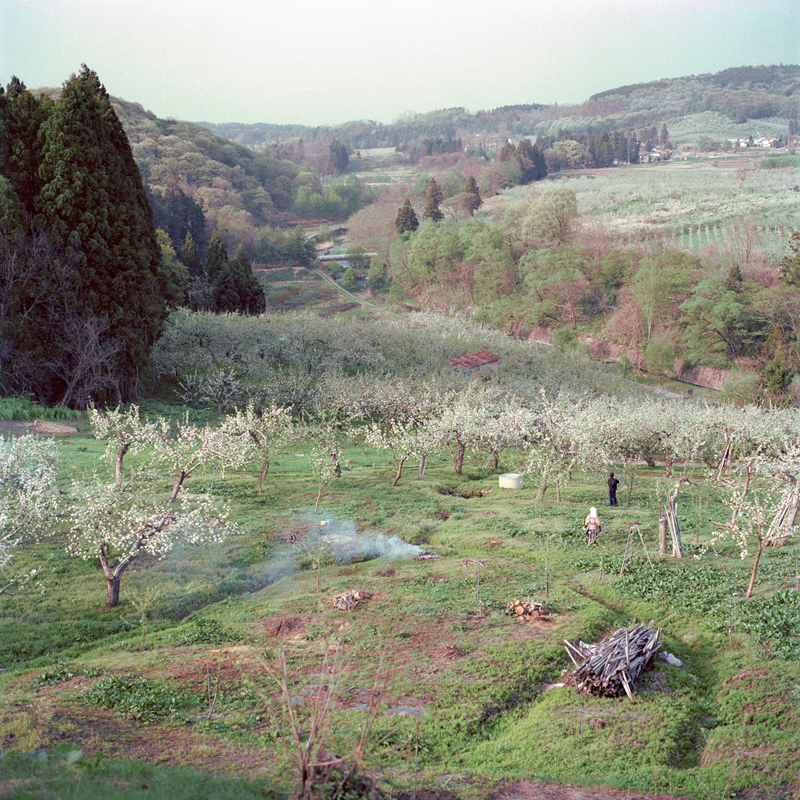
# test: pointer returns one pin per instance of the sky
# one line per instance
(326, 62)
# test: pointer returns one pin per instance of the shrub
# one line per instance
(138, 698)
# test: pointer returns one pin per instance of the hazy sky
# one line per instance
(326, 62)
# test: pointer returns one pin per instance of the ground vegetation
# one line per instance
(239, 624)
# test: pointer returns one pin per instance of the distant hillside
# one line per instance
(235, 186)
(740, 93)
(216, 172)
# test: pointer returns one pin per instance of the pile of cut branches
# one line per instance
(613, 665)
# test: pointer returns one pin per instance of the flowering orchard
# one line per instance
(142, 501)
(28, 497)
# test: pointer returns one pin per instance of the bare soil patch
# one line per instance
(39, 426)
(99, 731)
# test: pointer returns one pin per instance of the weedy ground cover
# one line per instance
(464, 686)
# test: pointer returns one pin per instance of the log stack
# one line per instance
(527, 608)
(613, 665)
(351, 599)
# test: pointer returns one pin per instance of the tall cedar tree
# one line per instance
(92, 196)
(190, 257)
(406, 219)
(531, 162)
(473, 200)
(340, 158)
(216, 257)
(21, 116)
(236, 288)
(432, 201)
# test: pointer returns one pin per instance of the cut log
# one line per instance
(527, 608)
(351, 599)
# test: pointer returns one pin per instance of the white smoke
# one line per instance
(349, 545)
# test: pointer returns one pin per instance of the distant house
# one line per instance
(481, 360)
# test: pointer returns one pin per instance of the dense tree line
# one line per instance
(430, 147)
(529, 159)
(741, 93)
(568, 150)
(213, 171)
(541, 265)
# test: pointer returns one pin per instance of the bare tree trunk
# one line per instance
(261, 441)
(398, 471)
(753, 574)
(112, 594)
(422, 463)
(175, 489)
(459, 462)
(120, 456)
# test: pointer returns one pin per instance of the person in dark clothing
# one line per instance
(612, 490)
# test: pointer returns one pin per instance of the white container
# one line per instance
(510, 480)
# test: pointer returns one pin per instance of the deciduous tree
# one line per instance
(29, 498)
(116, 523)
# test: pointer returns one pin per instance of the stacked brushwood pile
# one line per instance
(613, 665)
(527, 608)
(350, 599)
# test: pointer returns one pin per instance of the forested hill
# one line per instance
(739, 93)
(219, 174)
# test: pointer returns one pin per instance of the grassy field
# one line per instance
(182, 675)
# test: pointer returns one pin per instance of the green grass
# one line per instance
(22, 409)
(478, 679)
(65, 772)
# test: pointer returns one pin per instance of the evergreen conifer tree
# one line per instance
(406, 219)
(432, 201)
(340, 158)
(190, 257)
(216, 257)
(21, 116)
(91, 196)
(473, 196)
(236, 288)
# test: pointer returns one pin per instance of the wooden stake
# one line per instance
(662, 535)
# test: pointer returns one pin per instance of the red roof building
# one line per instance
(479, 360)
